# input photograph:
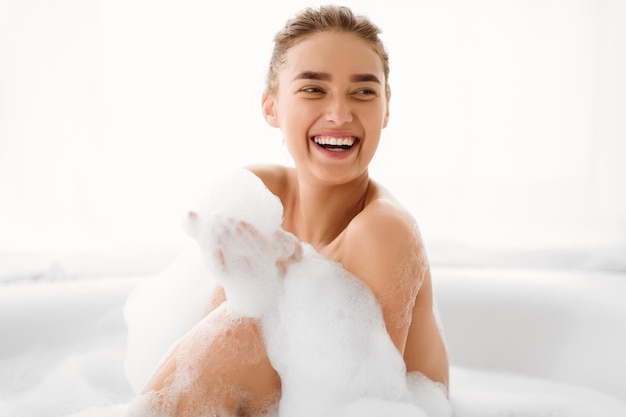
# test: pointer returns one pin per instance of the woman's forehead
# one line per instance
(333, 52)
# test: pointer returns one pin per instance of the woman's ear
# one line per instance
(268, 105)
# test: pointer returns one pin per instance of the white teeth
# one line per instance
(333, 141)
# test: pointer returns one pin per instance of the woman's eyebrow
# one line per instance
(313, 75)
(359, 78)
(324, 76)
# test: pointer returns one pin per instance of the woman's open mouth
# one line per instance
(335, 144)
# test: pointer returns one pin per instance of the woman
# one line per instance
(328, 93)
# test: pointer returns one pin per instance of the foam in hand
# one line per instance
(323, 328)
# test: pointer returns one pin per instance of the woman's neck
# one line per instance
(319, 212)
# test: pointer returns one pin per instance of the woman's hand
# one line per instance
(241, 249)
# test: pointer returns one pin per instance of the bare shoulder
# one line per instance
(386, 226)
(275, 177)
(385, 238)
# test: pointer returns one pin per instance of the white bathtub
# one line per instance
(563, 326)
(513, 336)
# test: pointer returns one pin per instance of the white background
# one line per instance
(507, 137)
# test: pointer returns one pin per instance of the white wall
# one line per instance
(507, 125)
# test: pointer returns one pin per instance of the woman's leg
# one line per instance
(220, 366)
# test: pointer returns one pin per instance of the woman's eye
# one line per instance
(365, 92)
(312, 90)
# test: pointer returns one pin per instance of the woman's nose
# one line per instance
(339, 111)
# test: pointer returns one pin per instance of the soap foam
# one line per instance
(323, 328)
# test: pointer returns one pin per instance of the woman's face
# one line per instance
(330, 105)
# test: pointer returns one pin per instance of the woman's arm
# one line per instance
(384, 249)
(425, 349)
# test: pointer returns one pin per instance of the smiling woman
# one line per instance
(329, 88)
(328, 94)
(505, 140)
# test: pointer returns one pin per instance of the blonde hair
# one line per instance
(323, 19)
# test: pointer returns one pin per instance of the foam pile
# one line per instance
(323, 328)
